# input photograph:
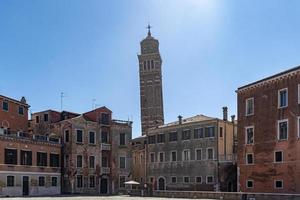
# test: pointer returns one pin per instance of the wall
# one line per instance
(225, 195)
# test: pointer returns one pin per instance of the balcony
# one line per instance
(105, 170)
(105, 147)
(227, 158)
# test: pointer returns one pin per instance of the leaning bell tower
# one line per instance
(151, 95)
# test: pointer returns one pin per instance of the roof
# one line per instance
(49, 110)
(271, 77)
(14, 100)
(197, 118)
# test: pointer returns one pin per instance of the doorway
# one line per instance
(104, 186)
(161, 183)
(25, 185)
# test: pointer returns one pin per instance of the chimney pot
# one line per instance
(180, 119)
(232, 118)
(225, 113)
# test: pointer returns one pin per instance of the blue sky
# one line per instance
(88, 49)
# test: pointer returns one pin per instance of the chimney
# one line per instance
(232, 118)
(180, 119)
(225, 113)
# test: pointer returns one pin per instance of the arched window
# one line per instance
(148, 64)
(145, 67)
(161, 183)
(152, 64)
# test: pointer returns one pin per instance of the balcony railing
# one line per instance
(105, 147)
(105, 170)
(27, 136)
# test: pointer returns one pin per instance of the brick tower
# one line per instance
(151, 96)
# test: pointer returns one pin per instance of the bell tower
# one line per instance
(151, 95)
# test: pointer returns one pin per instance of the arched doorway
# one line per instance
(161, 183)
(104, 186)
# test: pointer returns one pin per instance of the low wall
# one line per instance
(226, 195)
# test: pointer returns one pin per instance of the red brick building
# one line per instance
(13, 114)
(268, 134)
(29, 163)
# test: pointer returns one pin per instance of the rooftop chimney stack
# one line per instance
(232, 118)
(180, 119)
(225, 113)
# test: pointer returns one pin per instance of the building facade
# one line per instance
(151, 95)
(195, 153)
(30, 163)
(96, 153)
(268, 134)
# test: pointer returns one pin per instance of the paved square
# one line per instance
(93, 198)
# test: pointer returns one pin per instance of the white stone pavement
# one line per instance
(92, 198)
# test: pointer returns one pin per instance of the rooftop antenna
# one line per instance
(94, 105)
(62, 95)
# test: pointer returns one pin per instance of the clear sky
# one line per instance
(88, 49)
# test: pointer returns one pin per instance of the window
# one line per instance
(79, 181)
(92, 162)
(161, 157)
(210, 131)
(249, 158)
(37, 119)
(173, 179)
(145, 65)
(298, 124)
(278, 156)
(250, 106)
(221, 132)
(92, 181)
(198, 179)
(104, 161)
(283, 98)
(210, 153)
(173, 156)
(26, 157)
(41, 159)
(186, 135)
(122, 139)
(10, 181)
(250, 135)
(122, 181)
(5, 106)
(278, 184)
(198, 153)
(66, 160)
(104, 137)
(173, 136)
(105, 118)
(298, 93)
(41, 181)
(151, 139)
(79, 136)
(67, 135)
(186, 179)
(92, 137)
(11, 156)
(186, 155)
(141, 159)
(21, 110)
(283, 129)
(152, 64)
(209, 179)
(152, 157)
(54, 160)
(198, 133)
(250, 183)
(161, 138)
(79, 161)
(46, 116)
(54, 180)
(122, 162)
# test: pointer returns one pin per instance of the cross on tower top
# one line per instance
(149, 27)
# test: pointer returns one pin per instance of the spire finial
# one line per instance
(149, 27)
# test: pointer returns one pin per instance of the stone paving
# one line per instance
(92, 198)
